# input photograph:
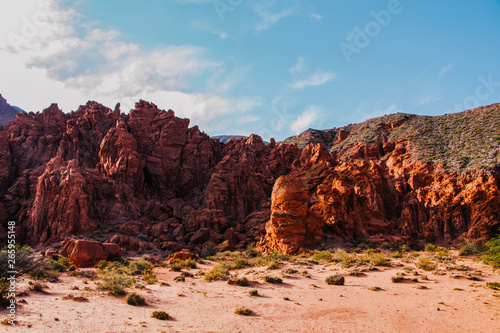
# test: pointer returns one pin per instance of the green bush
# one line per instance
(426, 264)
(322, 255)
(140, 266)
(240, 281)
(336, 280)
(344, 258)
(243, 311)
(160, 315)
(469, 247)
(135, 299)
(254, 292)
(492, 253)
(218, 272)
(270, 279)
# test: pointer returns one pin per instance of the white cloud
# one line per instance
(60, 59)
(299, 66)
(319, 78)
(306, 119)
(268, 18)
(444, 70)
(431, 98)
(315, 16)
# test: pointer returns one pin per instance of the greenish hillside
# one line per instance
(464, 141)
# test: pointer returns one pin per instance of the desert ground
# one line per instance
(452, 297)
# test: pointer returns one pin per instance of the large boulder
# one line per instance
(83, 253)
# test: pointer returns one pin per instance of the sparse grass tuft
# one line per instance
(254, 292)
(493, 285)
(240, 281)
(426, 264)
(271, 279)
(160, 315)
(337, 280)
(322, 256)
(492, 253)
(218, 272)
(469, 247)
(135, 299)
(243, 311)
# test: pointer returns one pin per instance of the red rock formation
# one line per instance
(146, 179)
(292, 226)
(84, 253)
(182, 255)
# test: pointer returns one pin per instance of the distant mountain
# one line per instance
(7, 111)
(226, 138)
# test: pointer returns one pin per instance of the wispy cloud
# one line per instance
(315, 16)
(269, 18)
(319, 78)
(72, 61)
(299, 66)
(427, 99)
(306, 119)
(444, 70)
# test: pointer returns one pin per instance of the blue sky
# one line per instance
(274, 68)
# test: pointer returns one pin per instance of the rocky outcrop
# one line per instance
(293, 226)
(147, 180)
(182, 255)
(82, 253)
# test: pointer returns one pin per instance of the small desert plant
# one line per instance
(273, 265)
(492, 252)
(240, 263)
(271, 279)
(254, 292)
(75, 298)
(140, 266)
(176, 266)
(218, 272)
(37, 285)
(243, 311)
(115, 285)
(426, 264)
(135, 299)
(469, 247)
(160, 315)
(240, 281)
(291, 271)
(336, 280)
(322, 255)
(344, 258)
(493, 285)
(379, 259)
(397, 279)
(149, 276)
(397, 254)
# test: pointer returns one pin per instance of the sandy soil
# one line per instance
(450, 302)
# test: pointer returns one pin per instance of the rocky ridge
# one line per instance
(146, 179)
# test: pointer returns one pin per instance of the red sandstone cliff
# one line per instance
(146, 178)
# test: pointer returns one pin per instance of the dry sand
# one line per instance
(450, 303)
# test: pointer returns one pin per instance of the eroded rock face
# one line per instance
(146, 179)
(292, 226)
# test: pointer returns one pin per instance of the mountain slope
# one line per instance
(464, 141)
(7, 112)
